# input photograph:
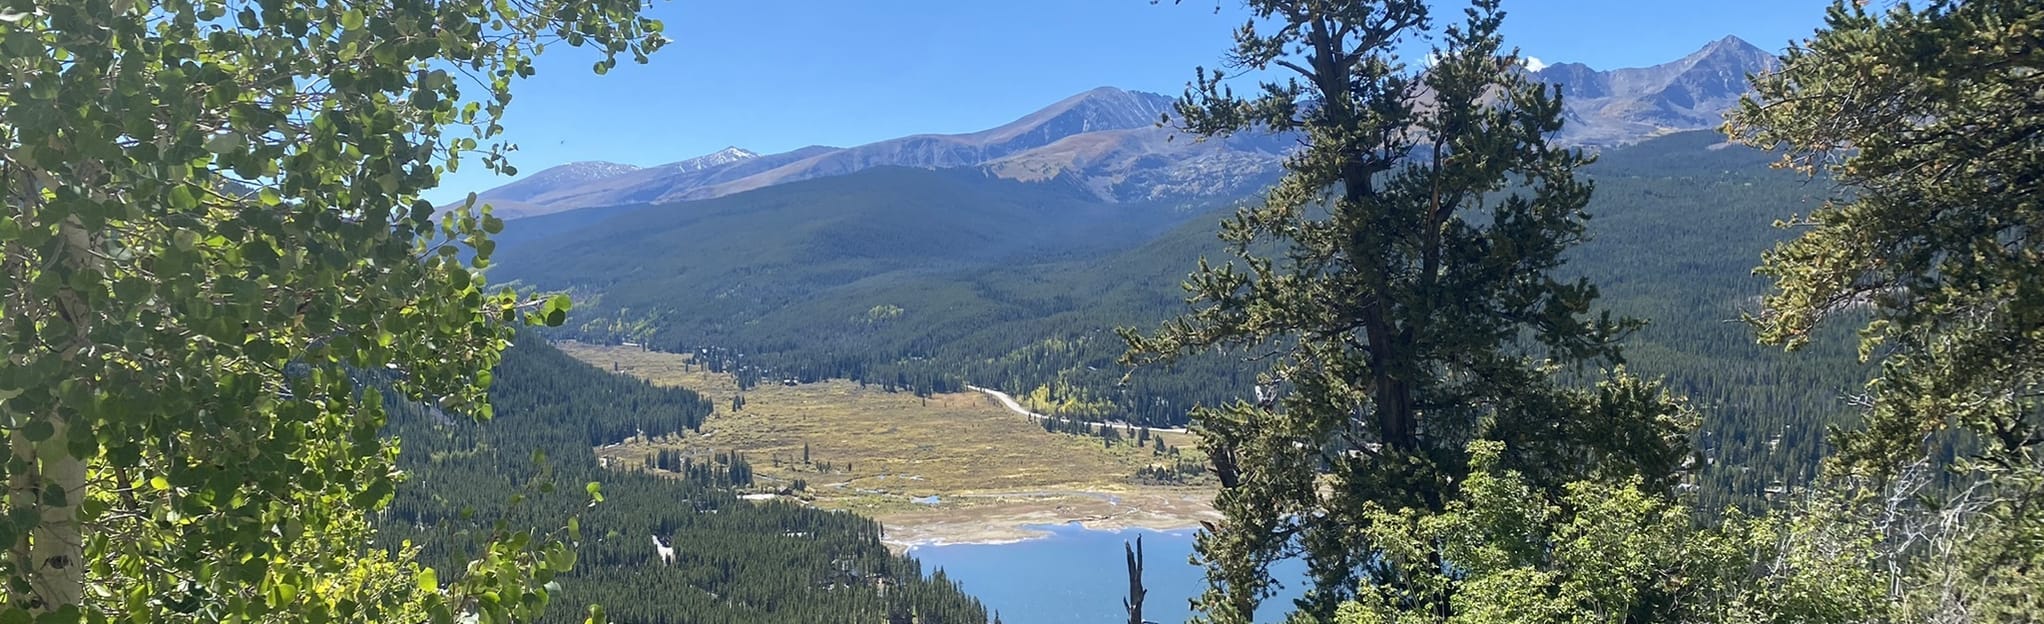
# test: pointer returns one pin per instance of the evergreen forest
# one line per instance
(734, 561)
(1676, 223)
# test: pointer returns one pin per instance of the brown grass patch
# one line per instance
(874, 452)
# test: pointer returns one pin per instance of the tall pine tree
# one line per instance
(1399, 287)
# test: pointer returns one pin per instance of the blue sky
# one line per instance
(774, 75)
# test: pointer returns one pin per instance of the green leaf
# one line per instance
(595, 490)
(181, 198)
(560, 557)
(39, 430)
(253, 240)
(429, 580)
(554, 311)
(225, 143)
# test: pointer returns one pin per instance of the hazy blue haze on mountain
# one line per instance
(774, 76)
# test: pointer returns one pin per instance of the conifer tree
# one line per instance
(1927, 120)
(1399, 285)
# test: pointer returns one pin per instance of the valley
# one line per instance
(1054, 312)
(947, 468)
(925, 281)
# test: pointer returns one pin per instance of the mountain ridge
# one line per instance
(1118, 143)
(1626, 105)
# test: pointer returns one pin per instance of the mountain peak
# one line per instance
(1622, 105)
(1116, 93)
(1102, 108)
(728, 155)
(597, 165)
(1114, 96)
(1733, 49)
(1733, 41)
(558, 176)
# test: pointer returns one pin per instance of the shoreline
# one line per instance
(1011, 517)
(899, 460)
(1034, 532)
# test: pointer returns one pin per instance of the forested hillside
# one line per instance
(734, 561)
(1675, 230)
(1020, 286)
(707, 272)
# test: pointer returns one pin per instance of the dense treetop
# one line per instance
(210, 230)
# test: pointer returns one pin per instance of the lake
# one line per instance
(1079, 576)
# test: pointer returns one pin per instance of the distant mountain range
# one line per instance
(1114, 144)
(1607, 108)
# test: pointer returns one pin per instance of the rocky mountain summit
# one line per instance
(1622, 106)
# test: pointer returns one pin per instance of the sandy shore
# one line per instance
(1001, 517)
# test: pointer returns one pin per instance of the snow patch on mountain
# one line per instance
(717, 158)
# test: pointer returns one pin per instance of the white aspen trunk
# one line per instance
(48, 558)
(20, 491)
(56, 548)
(57, 545)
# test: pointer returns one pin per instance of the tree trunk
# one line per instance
(50, 556)
(56, 548)
(1134, 602)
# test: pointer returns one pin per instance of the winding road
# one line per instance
(1009, 402)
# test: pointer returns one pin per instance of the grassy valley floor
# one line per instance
(951, 468)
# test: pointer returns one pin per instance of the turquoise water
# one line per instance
(1078, 576)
